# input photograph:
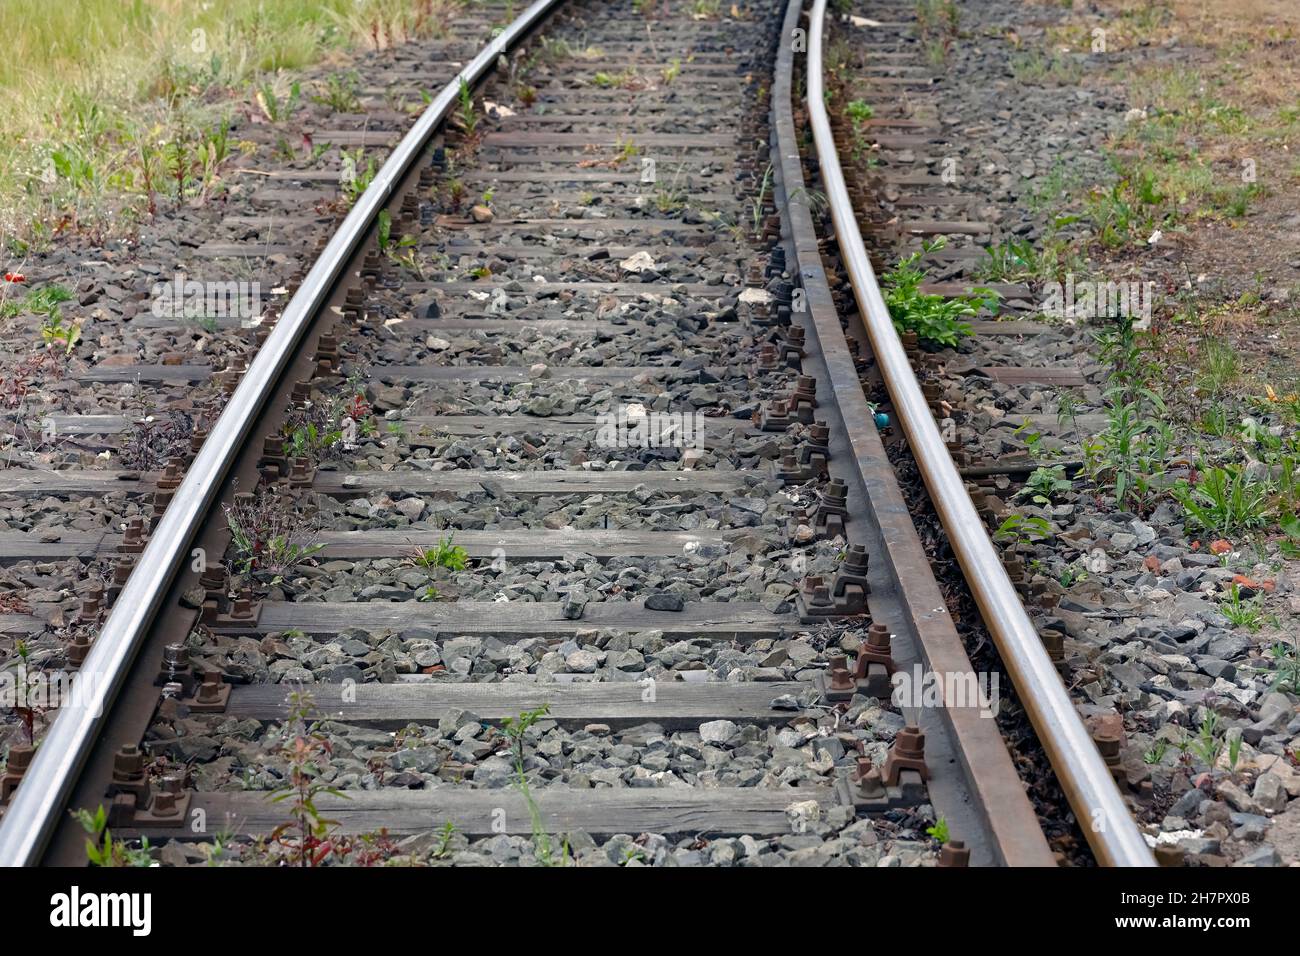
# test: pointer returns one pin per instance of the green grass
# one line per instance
(1046, 69)
(446, 555)
(111, 100)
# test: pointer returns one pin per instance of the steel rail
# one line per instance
(37, 803)
(1106, 822)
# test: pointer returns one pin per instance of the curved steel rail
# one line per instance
(1107, 823)
(32, 814)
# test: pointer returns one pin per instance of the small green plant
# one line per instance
(446, 555)
(1018, 529)
(516, 730)
(1242, 612)
(103, 850)
(859, 111)
(465, 110)
(1286, 665)
(1009, 261)
(937, 320)
(1225, 500)
(937, 25)
(274, 107)
(266, 536)
(672, 70)
(25, 709)
(47, 301)
(1219, 367)
(55, 330)
(1045, 484)
(357, 175)
(1071, 575)
(1033, 439)
(760, 200)
(445, 836)
(625, 151)
(1234, 748)
(632, 854)
(341, 93)
(306, 838)
(387, 245)
(1128, 458)
(939, 831)
(1208, 743)
(1156, 753)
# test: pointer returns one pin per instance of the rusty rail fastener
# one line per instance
(132, 536)
(273, 464)
(776, 416)
(20, 758)
(353, 303)
(831, 513)
(160, 500)
(1108, 744)
(129, 776)
(867, 783)
(301, 474)
(121, 571)
(170, 479)
(907, 752)
(212, 694)
(875, 663)
(74, 653)
(803, 398)
(815, 453)
(792, 349)
(841, 686)
(954, 853)
(844, 597)
(92, 603)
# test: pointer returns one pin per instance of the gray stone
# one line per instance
(1270, 793)
(717, 731)
(1264, 856)
(664, 601)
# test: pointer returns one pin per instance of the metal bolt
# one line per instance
(128, 765)
(841, 679)
(210, 687)
(906, 753)
(954, 853)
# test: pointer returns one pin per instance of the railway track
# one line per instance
(552, 503)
